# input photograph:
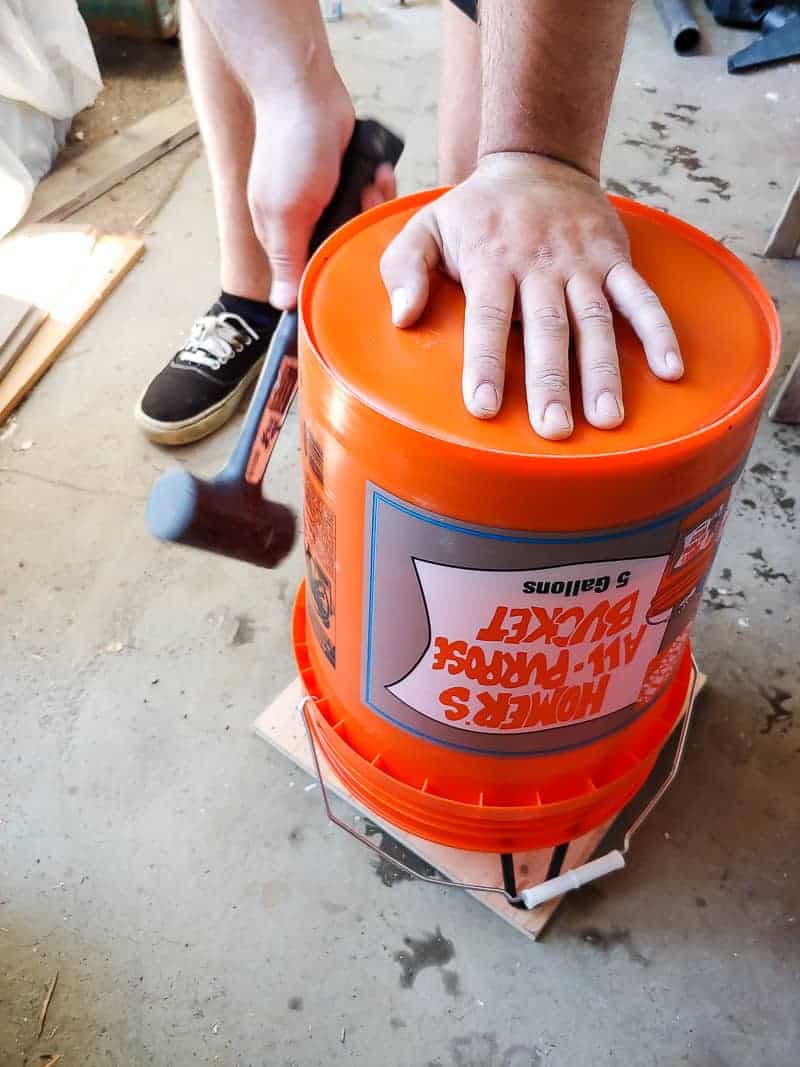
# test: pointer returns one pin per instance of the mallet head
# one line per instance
(220, 515)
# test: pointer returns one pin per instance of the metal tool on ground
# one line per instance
(228, 514)
(779, 24)
(680, 24)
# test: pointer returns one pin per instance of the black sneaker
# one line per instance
(201, 386)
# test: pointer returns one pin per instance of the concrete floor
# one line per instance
(172, 867)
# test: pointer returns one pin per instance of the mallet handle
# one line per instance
(370, 146)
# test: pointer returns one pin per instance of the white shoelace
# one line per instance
(215, 339)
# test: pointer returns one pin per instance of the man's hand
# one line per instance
(303, 122)
(299, 143)
(529, 233)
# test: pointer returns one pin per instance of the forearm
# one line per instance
(272, 46)
(548, 70)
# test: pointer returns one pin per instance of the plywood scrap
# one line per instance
(16, 341)
(12, 313)
(786, 406)
(785, 237)
(98, 169)
(90, 267)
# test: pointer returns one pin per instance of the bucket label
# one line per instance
(532, 650)
(319, 536)
(503, 642)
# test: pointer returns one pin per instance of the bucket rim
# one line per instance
(684, 443)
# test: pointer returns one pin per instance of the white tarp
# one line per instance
(48, 73)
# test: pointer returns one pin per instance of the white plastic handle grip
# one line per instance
(574, 879)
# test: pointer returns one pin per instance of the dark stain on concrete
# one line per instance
(389, 873)
(620, 189)
(726, 574)
(786, 436)
(718, 185)
(245, 631)
(687, 120)
(296, 835)
(606, 940)
(397, 1023)
(295, 1003)
(779, 716)
(766, 476)
(649, 189)
(701, 902)
(769, 574)
(660, 129)
(434, 950)
(694, 108)
(716, 600)
(681, 155)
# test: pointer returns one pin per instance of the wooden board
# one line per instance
(38, 262)
(16, 341)
(98, 169)
(13, 313)
(785, 238)
(107, 260)
(786, 406)
(282, 727)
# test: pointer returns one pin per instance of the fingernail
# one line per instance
(673, 363)
(607, 407)
(401, 302)
(556, 419)
(485, 400)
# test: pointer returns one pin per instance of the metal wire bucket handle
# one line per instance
(552, 887)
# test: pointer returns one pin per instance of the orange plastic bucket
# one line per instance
(495, 628)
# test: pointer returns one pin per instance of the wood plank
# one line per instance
(109, 261)
(38, 262)
(12, 314)
(16, 341)
(98, 169)
(786, 406)
(282, 727)
(785, 237)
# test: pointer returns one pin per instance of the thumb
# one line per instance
(406, 265)
(286, 243)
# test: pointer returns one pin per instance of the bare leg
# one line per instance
(459, 95)
(225, 117)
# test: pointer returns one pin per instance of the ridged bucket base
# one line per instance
(474, 826)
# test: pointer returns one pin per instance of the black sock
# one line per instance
(259, 314)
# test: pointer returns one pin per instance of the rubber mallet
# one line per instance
(228, 514)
